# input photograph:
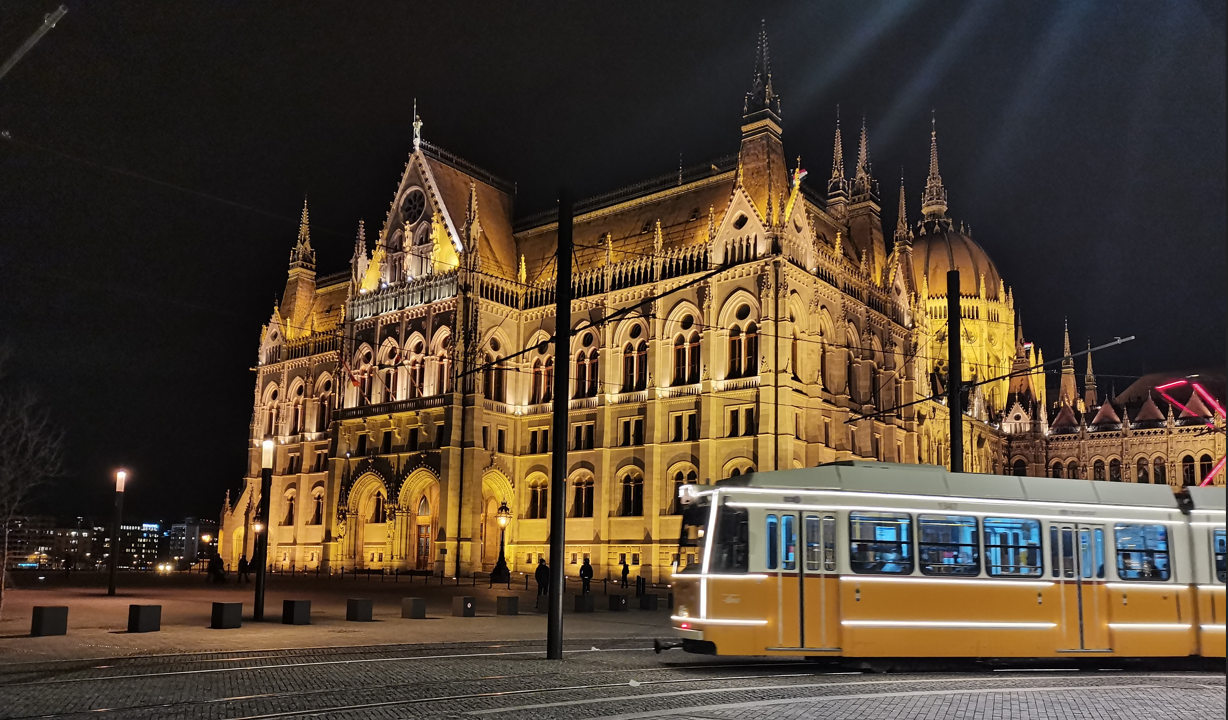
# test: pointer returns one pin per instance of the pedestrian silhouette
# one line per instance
(542, 576)
(244, 569)
(586, 575)
(215, 570)
(626, 572)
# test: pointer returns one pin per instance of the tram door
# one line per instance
(1078, 565)
(820, 586)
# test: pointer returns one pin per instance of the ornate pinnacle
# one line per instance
(761, 96)
(902, 233)
(302, 256)
(837, 162)
(934, 201)
(417, 126)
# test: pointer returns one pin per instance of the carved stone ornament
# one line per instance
(706, 375)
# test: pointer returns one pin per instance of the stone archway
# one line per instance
(418, 521)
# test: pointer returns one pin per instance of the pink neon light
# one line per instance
(1207, 396)
(1172, 400)
(1174, 383)
(1214, 471)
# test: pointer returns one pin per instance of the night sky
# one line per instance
(1084, 143)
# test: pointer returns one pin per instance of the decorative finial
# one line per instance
(837, 162)
(863, 183)
(761, 96)
(902, 233)
(417, 126)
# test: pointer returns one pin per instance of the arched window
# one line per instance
(378, 513)
(795, 358)
(750, 366)
(324, 408)
(539, 499)
(633, 496)
(1187, 471)
(594, 378)
(317, 506)
(1056, 470)
(628, 368)
(1115, 470)
(735, 352)
(581, 375)
(635, 367)
(548, 381)
(1020, 468)
(1072, 470)
(289, 518)
(693, 358)
(680, 360)
(535, 393)
(1141, 471)
(675, 507)
(417, 372)
(443, 378)
(1160, 474)
(424, 507)
(582, 498)
(1098, 470)
(1205, 463)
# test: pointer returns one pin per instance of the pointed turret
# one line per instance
(1067, 393)
(837, 186)
(1194, 408)
(863, 181)
(303, 257)
(1106, 415)
(762, 172)
(903, 236)
(1089, 381)
(1149, 412)
(358, 261)
(934, 200)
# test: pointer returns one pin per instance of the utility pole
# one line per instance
(261, 549)
(116, 528)
(558, 459)
(955, 374)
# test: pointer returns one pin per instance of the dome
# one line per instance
(935, 253)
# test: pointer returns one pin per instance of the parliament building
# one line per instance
(774, 326)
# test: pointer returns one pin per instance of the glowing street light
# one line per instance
(121, 477)
(501, 573)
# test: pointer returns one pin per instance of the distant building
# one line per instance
(31, 542)
(140, 546)
(73, 547)
(183, 540)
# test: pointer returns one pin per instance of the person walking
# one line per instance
(214, 570)
(542, 576)
(244, 569)
(586, 576)
(626, 572)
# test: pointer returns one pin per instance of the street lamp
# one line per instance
(501, 573)
(120, 477)
(261, 551)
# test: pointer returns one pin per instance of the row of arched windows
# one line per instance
(1146, 471)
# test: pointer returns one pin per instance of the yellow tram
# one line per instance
(859, 559)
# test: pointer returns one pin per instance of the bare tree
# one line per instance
(31, 452)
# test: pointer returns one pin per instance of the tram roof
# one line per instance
(1208, 498)
(861, 476)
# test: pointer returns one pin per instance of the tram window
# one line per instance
(947, 545)
(880, 543)
(1055, 558)
(788, 530)
(1068, 553)
(773, 543)
(829, 544)
(730, 543)
(1086, 563)
(1142, 551)
(1012, 547)
(814, 544)
(1099, 534)
(1218, 546)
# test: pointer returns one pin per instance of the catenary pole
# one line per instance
(558, 460)
(116, 525)
(955, 374)
(261, 549)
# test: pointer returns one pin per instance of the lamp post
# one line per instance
(120, 478)
(261, 549)
(501, 573)
(206, 539)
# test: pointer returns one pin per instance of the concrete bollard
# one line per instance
(413, 608)
(649, 602)
(49, 620)
(584, 603)
(144, 618)
(618, 603)
(359, 609)
(295, 612)
(226, 616)
(462, 606)
(507, 605)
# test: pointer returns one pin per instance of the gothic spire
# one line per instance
(1090, 398)
(837, 159)
(1067, 393)
(934, 201)
(761, 96)
(302, 256)
(358, 261)
(902, 233)
(837, 186)
(863, 182)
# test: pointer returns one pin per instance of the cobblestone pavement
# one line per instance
(598, 679)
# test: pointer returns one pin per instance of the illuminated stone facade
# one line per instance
(402, 424)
